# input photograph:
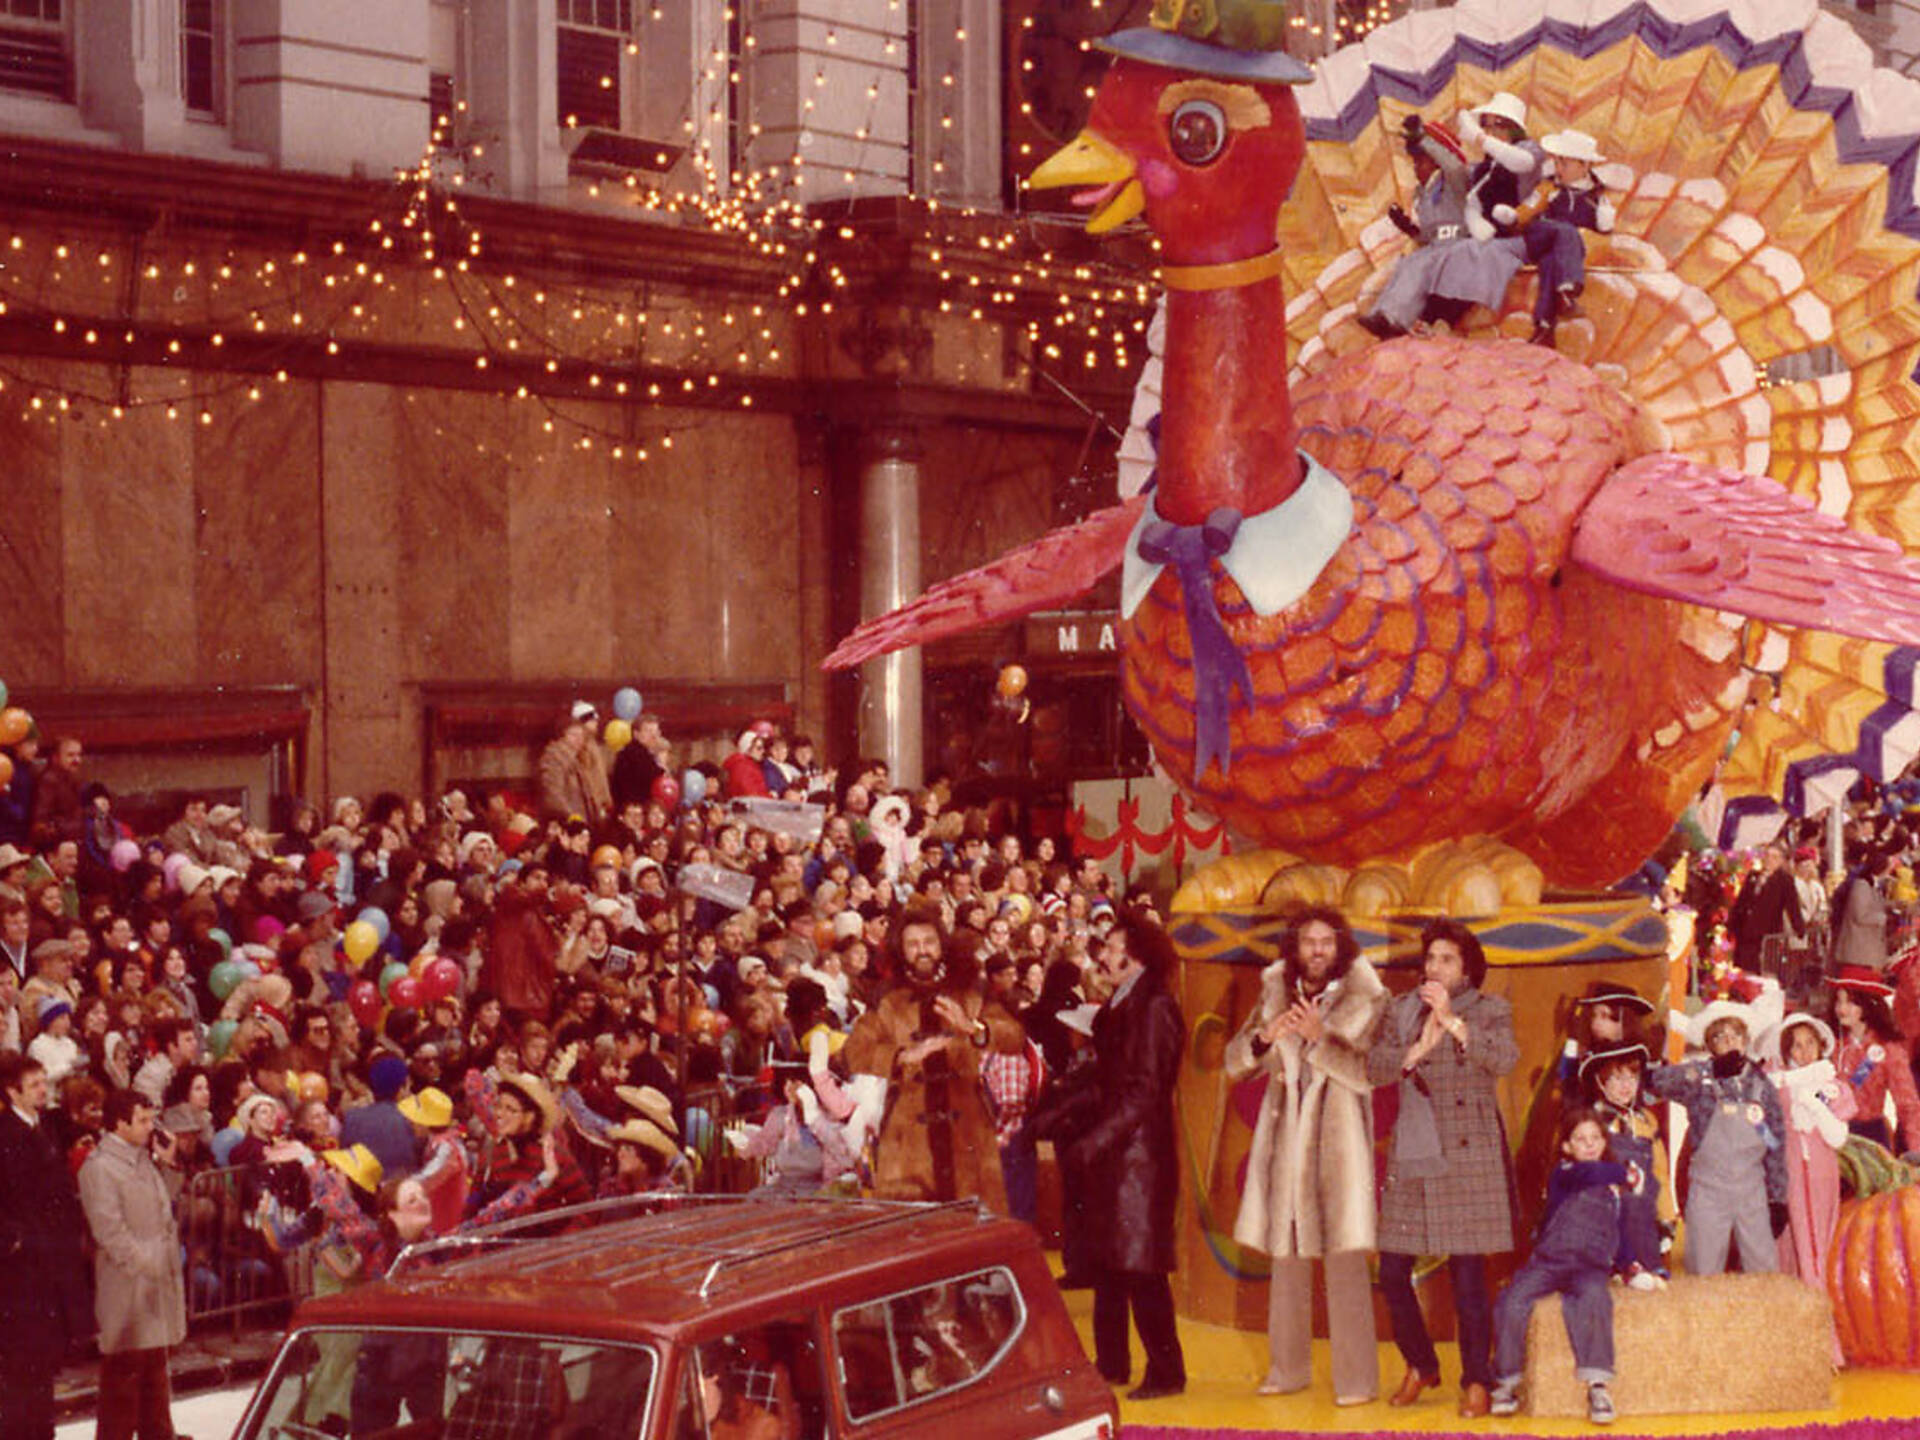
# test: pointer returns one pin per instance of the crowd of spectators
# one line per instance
(521, 1000)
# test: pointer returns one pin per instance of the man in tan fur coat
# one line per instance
(1310, 1172)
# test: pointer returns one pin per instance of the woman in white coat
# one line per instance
(1310, 1190)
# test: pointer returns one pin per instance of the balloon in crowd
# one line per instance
(441, 979)
(363, 998)
(3, 694)
(666, 790)
(618, 734)
(693, 786)
(15, 723)
(405, 993)
(360, 941)
(376, 917)
(220, 1035)
(224, 979)
(394, 972)
(6, 770)
(309, 1085)
(123, 854)
(223, 940)
(170, 869)
(626, 704)
(1012, 682)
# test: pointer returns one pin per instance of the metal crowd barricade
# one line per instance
(724, 1104)
(234, 1271)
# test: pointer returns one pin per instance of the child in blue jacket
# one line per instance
(1579, 1245)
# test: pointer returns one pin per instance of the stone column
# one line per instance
(890, 713)
(512, 103)
(130, 79)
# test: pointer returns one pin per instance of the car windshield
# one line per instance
(451, 1385)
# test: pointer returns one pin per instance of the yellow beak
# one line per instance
(1089, 160)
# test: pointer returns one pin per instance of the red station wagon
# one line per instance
(697, 1318)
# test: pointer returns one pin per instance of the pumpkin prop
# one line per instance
(1870, 1280)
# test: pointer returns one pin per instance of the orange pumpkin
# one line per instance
(1870, 1279)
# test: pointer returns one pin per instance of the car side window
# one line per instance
(923, 1342)
(762, 1383)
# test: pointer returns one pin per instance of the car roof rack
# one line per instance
(706, 1255)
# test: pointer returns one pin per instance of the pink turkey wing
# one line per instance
(1667, 526)
(1049, 571)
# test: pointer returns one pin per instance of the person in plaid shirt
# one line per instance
(1013, 1084)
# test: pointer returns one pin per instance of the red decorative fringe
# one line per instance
(1905, 1429)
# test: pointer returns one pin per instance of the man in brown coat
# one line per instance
(925, 1038)
(139, 1294)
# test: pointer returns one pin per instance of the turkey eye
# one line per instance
(1198, 132)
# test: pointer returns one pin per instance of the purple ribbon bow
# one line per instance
(1218, 666)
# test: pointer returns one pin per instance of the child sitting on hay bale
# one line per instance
(1579, 1245)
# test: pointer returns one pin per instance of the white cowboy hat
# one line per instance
(1506, 105)
(1573, 145)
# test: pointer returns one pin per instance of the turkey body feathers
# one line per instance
(1449, 674)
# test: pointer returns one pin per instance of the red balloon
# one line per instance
(405, 993)
(666, 790)
(442, 978)
(363, 998)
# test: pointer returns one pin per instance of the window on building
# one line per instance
(199, 54)
(595, 37)
(34, 54)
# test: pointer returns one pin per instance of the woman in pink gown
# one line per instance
(1817, 1106)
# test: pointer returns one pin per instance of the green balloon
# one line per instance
(224, 978)
(3, 694)
(223, 940)
(219, 1036)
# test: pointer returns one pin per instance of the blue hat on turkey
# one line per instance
(1227, 39)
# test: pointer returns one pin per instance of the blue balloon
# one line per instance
(377, 918)
(700, 1130)
(626, 703)
(693, 787)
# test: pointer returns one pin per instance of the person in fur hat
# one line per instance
(1309, 1188)
(925, 1039)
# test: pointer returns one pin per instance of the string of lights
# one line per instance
(158, 322)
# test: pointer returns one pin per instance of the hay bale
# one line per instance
(1723, 1343)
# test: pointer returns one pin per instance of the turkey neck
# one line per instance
(1227, 436)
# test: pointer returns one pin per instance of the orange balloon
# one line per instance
(14, 725)
(6, 770)
(1013, 680)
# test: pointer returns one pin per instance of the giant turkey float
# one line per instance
(1460, 623)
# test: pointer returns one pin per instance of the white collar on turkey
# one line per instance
(1275, 556)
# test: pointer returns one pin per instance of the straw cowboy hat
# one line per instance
(647, 1135)
(651, 1103)
(534, 1091)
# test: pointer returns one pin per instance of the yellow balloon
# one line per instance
(619, 734)
(361, 941)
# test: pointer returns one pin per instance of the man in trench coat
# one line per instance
(139, 1295)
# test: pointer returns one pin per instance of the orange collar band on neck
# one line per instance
(1230, 276)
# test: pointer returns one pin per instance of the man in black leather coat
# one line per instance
(1112, 1117)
